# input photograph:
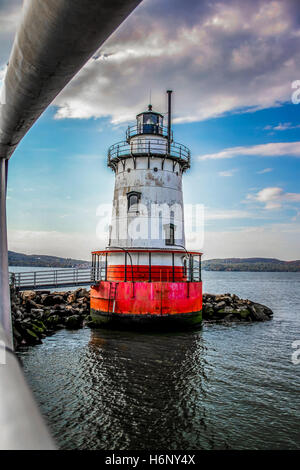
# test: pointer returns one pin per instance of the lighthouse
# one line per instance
(146, 276)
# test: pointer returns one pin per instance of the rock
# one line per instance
(28, 295)
(230, 307)
(82, 293)
(52, 321)
(71, 298)
(227, 299)
(37, 312)
(245, 314)
(17, 337)
(29, 304)
(31, 337)
(229, 310)
(38, 327)
(207, 311)
(58, 299)
(229, 317)
(48, 300)
(73, 322)
(19, 314)
(260, 312)
(223, 312)
(220, 305)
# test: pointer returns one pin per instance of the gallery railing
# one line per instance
(126, 270)
(148, 147)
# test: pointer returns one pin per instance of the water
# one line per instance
(221, 387)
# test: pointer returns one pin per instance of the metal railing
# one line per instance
(147, 129)
(51, 279)
(148, 147)
(189, 271)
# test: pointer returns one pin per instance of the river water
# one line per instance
(218, 387)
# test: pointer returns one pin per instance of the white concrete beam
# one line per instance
(54, 40)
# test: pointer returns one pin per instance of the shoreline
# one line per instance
(38, 314)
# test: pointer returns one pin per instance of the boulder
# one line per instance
(38, 327)
(52, 321)
(28, 295)
(30, 304)
(260, 312)
(220, 305)
(230, 317)
(73, 322)
(82, 293)
(71, 298)
(244, 313)
(31, 337)
(48, 300)
(37, 312)
(58, 299)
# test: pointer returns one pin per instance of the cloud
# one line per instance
(218, 57)
(228, 173)
(10, 12)
(224, 214)
(265, 170)
(282, 126)
(274, 197)
(276, 149)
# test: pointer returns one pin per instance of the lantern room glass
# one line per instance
(149, 123)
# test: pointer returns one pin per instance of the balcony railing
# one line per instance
(155, 129)
(148, 147)
(190, 271)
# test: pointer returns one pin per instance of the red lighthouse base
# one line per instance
(150, 304)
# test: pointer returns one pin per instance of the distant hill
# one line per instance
(251, 264)
(19, 259)
(226, 264)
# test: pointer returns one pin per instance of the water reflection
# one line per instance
(147, 389)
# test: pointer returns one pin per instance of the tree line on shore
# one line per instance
(226, 264)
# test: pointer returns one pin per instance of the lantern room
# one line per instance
(148, 122)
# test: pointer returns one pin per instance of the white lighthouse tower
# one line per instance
(146, 275)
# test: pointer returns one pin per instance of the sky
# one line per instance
(234, 68)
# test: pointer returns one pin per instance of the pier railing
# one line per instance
(51, 279)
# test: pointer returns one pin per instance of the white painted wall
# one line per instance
(161, 192)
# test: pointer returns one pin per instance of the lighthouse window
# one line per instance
(169, 234)
(150, 124)
(133, 199)
(150, 119)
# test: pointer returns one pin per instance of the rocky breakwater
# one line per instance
(37, 314)
(230, 308)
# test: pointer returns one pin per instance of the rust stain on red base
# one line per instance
(140, 298)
